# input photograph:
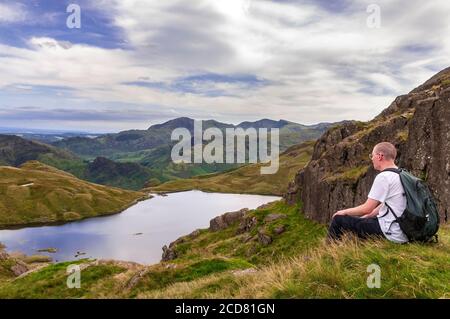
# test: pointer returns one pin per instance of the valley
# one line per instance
(276, 250)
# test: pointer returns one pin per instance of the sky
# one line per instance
(136, 63)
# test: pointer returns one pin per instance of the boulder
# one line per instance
(19, 268)
(247, 224)
(272, 217)
(168, 254)
(264, 238)
(279, 230)
(226, 220)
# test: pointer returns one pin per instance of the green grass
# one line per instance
(125, 175)
(298, 264)
(340, 271)
(37, 193)
(349, 174)
(5, 270)
(160, 278)
(335, 270)
(51, 282)
(300, 235)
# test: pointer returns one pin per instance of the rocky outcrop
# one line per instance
(272, 217)
(247, 224)
(264, 238)
(279, 230)
(226, 220)
(168, 253)
(19, 268)
(340, 173)
(13, 265)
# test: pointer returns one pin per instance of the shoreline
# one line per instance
(162, 192)
(148, 196)
(62, 222)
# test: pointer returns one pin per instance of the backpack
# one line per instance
(420, 220)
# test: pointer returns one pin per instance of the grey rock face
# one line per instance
(340, 173)
(168, 254)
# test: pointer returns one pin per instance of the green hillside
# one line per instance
(231, 263)
(14, 151)
(36, 193)
(248, 179)
(151, 148)
(141, 142)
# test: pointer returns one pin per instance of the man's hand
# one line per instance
(339, 212)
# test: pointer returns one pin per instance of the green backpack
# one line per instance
(420, 220)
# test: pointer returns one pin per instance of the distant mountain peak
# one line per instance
(174, 123)
(267, 123)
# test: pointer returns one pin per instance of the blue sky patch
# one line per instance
(47, 18)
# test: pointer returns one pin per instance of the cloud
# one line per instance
(305, 61)
(209, 84)
(12, 13)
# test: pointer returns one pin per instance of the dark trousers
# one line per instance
(362, 227)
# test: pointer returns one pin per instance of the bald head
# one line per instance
(387, 149)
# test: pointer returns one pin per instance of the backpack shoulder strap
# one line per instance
(389, 209)
(388, 232)
(391, 169)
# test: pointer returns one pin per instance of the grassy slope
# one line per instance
(335, 271)
(210, 252)
(298, 264)
(15, 151)
(248, 179)
(54, 196)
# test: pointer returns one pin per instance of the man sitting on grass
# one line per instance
(373, 218)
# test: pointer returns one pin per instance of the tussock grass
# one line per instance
(335, 270)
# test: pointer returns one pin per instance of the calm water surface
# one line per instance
(161, 220)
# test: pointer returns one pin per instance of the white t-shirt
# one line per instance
(387, 188)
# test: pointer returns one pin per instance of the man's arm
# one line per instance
(373, 213)
(367, 208)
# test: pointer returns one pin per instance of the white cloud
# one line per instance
(10, 13)
(321, 65)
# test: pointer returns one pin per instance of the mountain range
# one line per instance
(279, 249)
(136, 158)
(125, 144)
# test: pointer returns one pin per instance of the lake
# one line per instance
(137, 234)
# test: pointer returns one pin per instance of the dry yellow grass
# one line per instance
(334, 270)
